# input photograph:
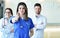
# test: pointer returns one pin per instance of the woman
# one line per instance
(22, 23)
(6, 26)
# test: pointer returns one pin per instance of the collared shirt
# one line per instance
(40, 24)
(22, 28)
(40, 21)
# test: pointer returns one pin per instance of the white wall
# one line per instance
(50, 8)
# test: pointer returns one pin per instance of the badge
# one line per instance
(21, 26)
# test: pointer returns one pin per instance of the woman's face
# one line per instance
(21, 10)
(7, 13)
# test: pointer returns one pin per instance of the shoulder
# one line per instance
(1, 19)
(29, 19)
(43, 17)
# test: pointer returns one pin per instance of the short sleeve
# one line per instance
(31, 25)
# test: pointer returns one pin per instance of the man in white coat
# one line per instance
(39, 21)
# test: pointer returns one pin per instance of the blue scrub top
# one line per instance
(22, 28)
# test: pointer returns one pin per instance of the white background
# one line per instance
(50, 8)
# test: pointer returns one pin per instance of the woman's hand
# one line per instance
(15, 18)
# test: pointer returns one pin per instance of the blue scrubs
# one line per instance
(22, 28)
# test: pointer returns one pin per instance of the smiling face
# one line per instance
(8, 13)
(21, 10)
(37, 9)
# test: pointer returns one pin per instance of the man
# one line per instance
(39, 21)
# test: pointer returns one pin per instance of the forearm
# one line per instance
(31, 33)
(14, 20)
(40, 26)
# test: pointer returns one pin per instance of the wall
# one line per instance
(50, 8)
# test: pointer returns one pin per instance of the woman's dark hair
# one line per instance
(10, 10)
(25, 7)
(37, 4)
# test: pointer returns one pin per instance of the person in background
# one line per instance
(22, 23)
(40, 22)
(5, 25)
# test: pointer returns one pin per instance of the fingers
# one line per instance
(15, 18)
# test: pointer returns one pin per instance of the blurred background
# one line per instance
(50, 9)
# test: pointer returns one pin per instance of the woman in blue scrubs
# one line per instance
(22, 23)
(5, 25)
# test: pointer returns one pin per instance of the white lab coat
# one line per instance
(1, 29)
(5, 32)
(40, 22)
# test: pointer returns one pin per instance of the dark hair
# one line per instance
(37, 4)
(10, 10)
(25, 6)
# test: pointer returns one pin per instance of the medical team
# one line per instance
(22, 26)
